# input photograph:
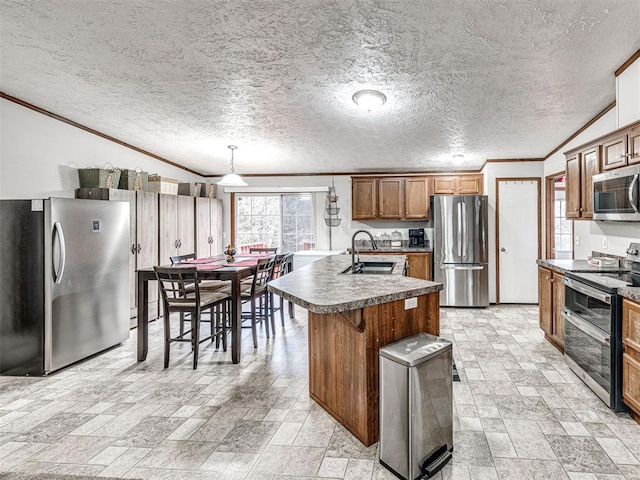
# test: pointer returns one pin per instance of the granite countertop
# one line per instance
(563, 266)
(320, 288)
(632, 293)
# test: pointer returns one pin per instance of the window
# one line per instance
(285, 221)
(563, 236)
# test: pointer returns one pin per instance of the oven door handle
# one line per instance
(589, 291)
(585, 327)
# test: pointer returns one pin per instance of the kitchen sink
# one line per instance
(370, 268)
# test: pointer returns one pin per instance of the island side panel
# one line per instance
(337, 379)
(343, 357)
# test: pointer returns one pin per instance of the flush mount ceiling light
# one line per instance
(369, 99)
(231, 179)
(457, 158)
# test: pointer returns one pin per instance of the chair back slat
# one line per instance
(175, 259)
(264, 270)
(179, 286)
(283, 265)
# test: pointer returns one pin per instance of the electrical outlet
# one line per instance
(577, 240)
(605, 243)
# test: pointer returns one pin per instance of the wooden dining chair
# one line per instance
(204, 285)
(181, 293)
(283, 265)
(256, 294)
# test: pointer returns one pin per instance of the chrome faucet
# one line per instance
(355, 262)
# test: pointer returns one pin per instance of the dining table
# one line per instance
(211, 268)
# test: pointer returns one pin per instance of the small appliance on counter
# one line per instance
(416, 238)
(604, 262)
(396, 239)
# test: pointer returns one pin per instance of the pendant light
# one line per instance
(231, 179)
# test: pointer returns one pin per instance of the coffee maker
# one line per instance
(416, 238)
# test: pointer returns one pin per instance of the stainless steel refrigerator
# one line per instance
(64, 282)
(460, 249)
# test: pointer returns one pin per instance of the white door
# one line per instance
(518, 239)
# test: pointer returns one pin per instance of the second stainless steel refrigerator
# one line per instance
(64, 282)
(460, 249)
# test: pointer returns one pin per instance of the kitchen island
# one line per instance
(350, 318)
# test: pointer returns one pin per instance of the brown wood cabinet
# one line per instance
(614, 152)
(343, 357)
(622, 148)
(416, 198)
(143, 231)
(550, 305)
(580, 169)
(364, 198)
(390, 198)
(419, 265)
(457, 185)
(631, 356)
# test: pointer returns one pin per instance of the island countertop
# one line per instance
(320, 288)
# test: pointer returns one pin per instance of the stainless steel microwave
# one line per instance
(615, 195)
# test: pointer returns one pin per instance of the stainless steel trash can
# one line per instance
(416, 405)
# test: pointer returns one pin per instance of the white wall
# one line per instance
(506, 170)
(628, 95)
(340, 235)
(39, 156)
(590, 236)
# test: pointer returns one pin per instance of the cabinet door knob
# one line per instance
(133, 249)
(139, 248)
(503, 249)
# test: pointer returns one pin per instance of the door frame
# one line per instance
(550, 198)
(514, 179)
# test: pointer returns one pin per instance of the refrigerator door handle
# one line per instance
(465, 237)
(57, 232)
(461, 267)
(460, 229)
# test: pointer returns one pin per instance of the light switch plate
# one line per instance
(410, 303)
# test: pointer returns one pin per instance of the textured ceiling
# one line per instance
(489, 78)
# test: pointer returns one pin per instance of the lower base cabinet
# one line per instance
(419, 265)
(631, 357)
(550, 306)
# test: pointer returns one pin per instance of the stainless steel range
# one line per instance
(593, 323)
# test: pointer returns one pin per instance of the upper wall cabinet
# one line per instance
(390, 198)
(457, 185)
(621, 149)
(581, 167)
(618, 149)
(364, 198)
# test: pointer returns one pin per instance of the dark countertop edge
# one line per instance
(564, 266)
(401, 250)
(357, 304)
(630, 293)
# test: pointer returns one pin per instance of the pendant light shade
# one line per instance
(231, 179)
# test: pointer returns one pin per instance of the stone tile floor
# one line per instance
(520, 413)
